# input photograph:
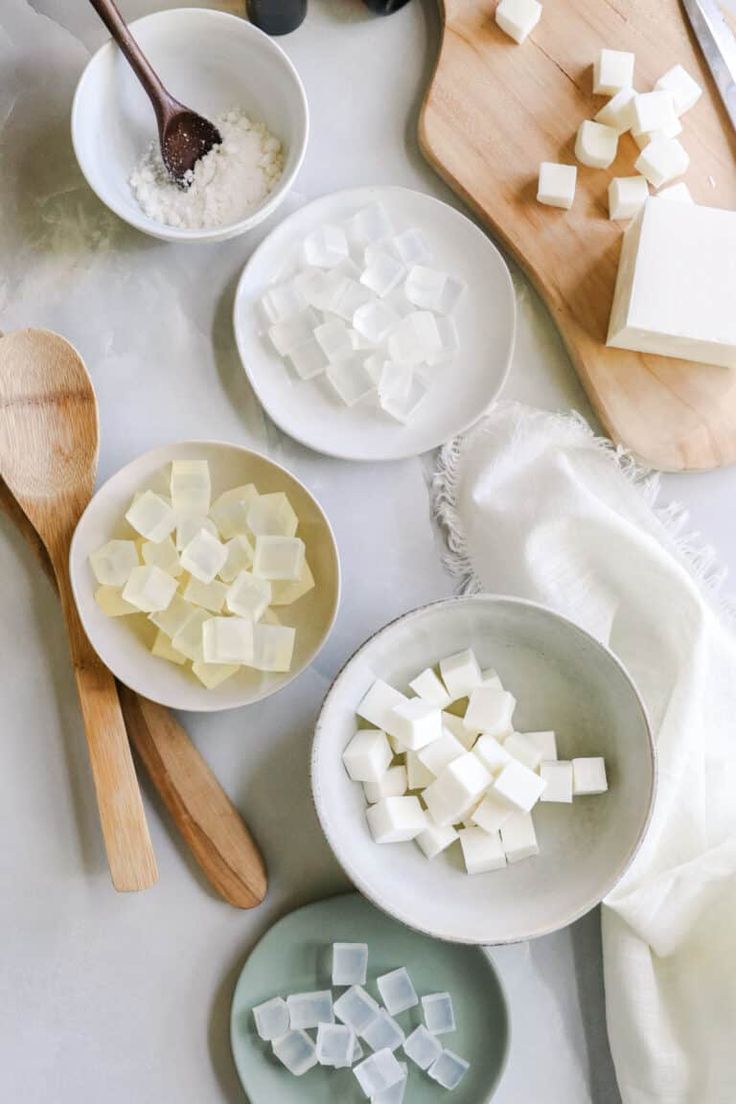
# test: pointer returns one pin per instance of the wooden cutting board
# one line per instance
(494, 110)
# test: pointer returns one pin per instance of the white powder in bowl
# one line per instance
(224, 187)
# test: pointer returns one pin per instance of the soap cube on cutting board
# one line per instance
(675, 286)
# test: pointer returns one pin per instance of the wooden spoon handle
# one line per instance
(158, 95)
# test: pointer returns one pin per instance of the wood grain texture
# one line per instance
(48, 453)
(495, 110)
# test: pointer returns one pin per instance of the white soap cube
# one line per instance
(685, 89)
(346, 300)
(188, 637)
(163, 555)
(626, 196)
(444, 806)
(589, 776)
(309, 359)
(491, 814)
(278, 558)
(460, 673)
(283, 300)
(351, 380)
(416, 338)
(653, 111)
(672, 130)
(679, 192)
(490, 711)
(271, 1018)
(559, 779)
(417, 775)
(556, 186)
(272, 515)
(518, 837)
(431, 289)
(319, 287)
(378, 1073)
(288, 334)
(613, 70)
(449, 1070)
(396, 819)
(370, 224)
(397, 991)
(325, 247)
(239, 558)
(204, 556)
(618, 113)
(190, 486)
(187, 527)
(403, 397)
(596, 144)
(367, 756)
(375, 321)
(335, 1045)
(465, 778)
(449, 344)
(396, 1093)
(546, 742)
(454, 724)
(149, 589)
(310, 1009)
(392, 783)
(111, 602)
(211, 596)
(492, 753)
(296, 1051)
(415, 723)
(162, 647)
(440, 753)
(439, 1013)
(518, 786)
(229, 511)
(422, 1047)
(382, 272)
(378, 704)
(273, 647)
(213, 674)
(384, 1033)
(517, 18)
(248, 596)
(427, 685)
(227, 640)
(285, 593)
(662, 160)
(349, 963)
(434, 839)
(113, 563)
(176, 614)
(525, 750)
(333, 338)
(356, 1008)
(151, 516)
(412, 247)
(482, 851)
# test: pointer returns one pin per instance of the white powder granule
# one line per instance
(224, 186)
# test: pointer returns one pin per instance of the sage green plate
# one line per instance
(295, 955)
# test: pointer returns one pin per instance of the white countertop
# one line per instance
(126, 999)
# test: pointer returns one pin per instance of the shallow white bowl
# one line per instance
(123, 643)
(308, 410)
(564, 680)
(210, 61)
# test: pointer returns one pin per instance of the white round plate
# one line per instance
(486, 321)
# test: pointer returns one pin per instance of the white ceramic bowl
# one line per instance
(564, 680)
(210, 61)
(123, 643)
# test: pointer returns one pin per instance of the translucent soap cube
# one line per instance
(449, 341)
(382, 272)
(412, 248)
(283, 300)
(271, 1018)
(349, 963)
(439, 1013)
(278, 558)
(308, 359)
(422, 1047)
(190, 486)
(403, 405)
(149, 589)
(111, 602)
(239, 557)
(188, 638)
(162, 555)
(452, 292)
(396, 1093)
(248, 596)
(395, 381)
(310, 1009)
(204, 556)
(229, 511)
(319, 288)
(176, 614)
(113, 563)
(432, 289)
(370, 224)
(210, 596)
(272, 515)
(187, 527)
(448, 1070)
(384, 1033)
(289, 333)
(273, 647)
(397, 991)
(375, 321)
(296, 1051)
(163, 648)
(227, 640)
(348, 298)
(356, 1008)
(325, 247)
(415, 339)
(335, 1045)
(378, 1073)
(351, 379)
(213, 674)
(151, 516)
(334, 339)
(285, 593)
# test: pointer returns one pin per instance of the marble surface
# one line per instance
(126, 998)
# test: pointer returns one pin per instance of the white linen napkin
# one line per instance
(535, 506)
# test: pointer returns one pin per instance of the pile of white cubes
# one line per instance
(446, 766)
(344, 1023)
(367, 311)
(208, 574)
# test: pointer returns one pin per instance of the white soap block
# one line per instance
(239, 558)
(333, 338)
(163, 555)
(449, 342)
(370, 224)
(397, 991)
(163, 648)
(285, 593)
(378, 704)
(449, 1070)
(518, 786)
(401, 398)
(212, 675)
(662, 160)
(684, 89)
(271, 1019)
(325, 247)
(613, 70)
(454, 724)
(482, 851)
(465, 779)
(283, 300)
(309, 359)
(679, 192)
(396, 1093)
(190, 486)
(431, 289)
(273, 647)
(415, 723)
(434, 839)
(229, 511)
(626, 196)
(518, 837)
(111, 602)
(351, 380)
(310, 1009)
(188, 638)
(249, 596)
(439, 1013)
(151, 516)
(491, 814)
(444, 806)
(618, 113)
(429, 686)
(349, 296)
(384, 1033)
(375, 320)
(596, 144)
(176, 614)
(113, 563)
(349, 963)
(492, 753)
(204, 556)
(417, 775)
(393, 783)
(278, 558)
(335, 1045)
(490, 711)
(211, 596)
(272, 515)
(460, 673)
(356, 1008)
(644, 137)
(187, 527)
(415, 339)
(518, 18)
(589, 776)
(149, 589)
(320, 288)
(378, 1073)
(382, 272)
(556, 186)
(525, 750)
(368, 755)
(674, 290)
(422, 1047)
(227, 640)
(412, 247)
(296, 1051)
(546, 742)
(653, 111)
(440, 753)
(396, 819)
(559, 777)
(287, 335)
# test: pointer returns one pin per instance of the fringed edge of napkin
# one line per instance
(700, 559)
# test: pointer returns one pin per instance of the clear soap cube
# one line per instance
(452, 292)
(228, 640)
(439, 1013)
(310, 1009)
(113, 563)
(239, 558)
(349, 963)
(290, 332)
(203, 556)
(190, 486)
(210, 596)
(356, 1008)
(412, 248)
(334, 338)
(174, 617)
(111, 602)
(249, 596)
(382, 272)
(273, 647)
(448, 1070)
(319, 288)
(283, 301)
(432, 289)
(151, 516)
(187, 527)
(370, 224)
(384, 1033)
(449, 341)
(271, 1019)
(422, 1047)
(162, 648)
(351, 380)
(397, 991)
(279, 558)
(162, 555)
(296, 1051)
(415, 339)
(378, 1072)
(335, 1045)
(149, 589)
(308, 359)
(375, 321)
(213, 674)
(401, 404)
(396, 1093)
(229, 511)
(348, 298)
(326, 246)
(272, 515)
(188, 638)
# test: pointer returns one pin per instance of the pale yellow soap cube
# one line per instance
(149, 589)
(113, 563)
(230, 510)
(176, 614)
(190, 486)
(212, 675)
(239, 557)
(188, 525)
(151, 516)
(279, 558)
(272, 515)
(285, 593)
(162, 647)
(188, 639)
(249, 596)
(211, 596)
(111, 602)
(204, 556)
(273, 647)
(227, 640)
(162, 555)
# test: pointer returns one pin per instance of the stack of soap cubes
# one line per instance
(367, 310)
(447, 766)
(208, 574)
(343, 1024)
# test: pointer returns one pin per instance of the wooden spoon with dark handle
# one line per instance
(184, 135)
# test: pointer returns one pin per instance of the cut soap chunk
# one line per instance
(396, 819)
(113, 563)
(613, 70)
(556, 186)
(685, 89)
(149, 589)
(397, 991)
(626, 196)
(589, 776)
(518, 18)
(349, 963)
(662, 160)
(482, 851)
(596, 144)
